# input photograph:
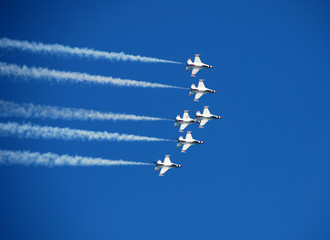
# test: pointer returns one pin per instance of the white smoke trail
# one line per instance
(51, 159)
(45, 132)
(74, 77)
(80, 52)
(29, 110)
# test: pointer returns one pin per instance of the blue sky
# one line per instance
(263, 172)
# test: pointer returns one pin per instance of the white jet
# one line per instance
(184, 121)
(187, 142)
(196, 65)
(200, 90)
(166, 165)
(206, 116)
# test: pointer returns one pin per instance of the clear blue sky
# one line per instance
(264, 170)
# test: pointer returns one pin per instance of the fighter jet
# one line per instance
(206, 116)
(200, 90)
(166, 165)
(187, 142)
(184, 121)
(196, 65)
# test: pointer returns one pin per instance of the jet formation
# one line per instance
(186, 120)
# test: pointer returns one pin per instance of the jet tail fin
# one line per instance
(189, 61)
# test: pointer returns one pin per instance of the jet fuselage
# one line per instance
(207, 117)
(206, 90)
(191, 142)
(199, 65)
(186, 121)
(173, 165)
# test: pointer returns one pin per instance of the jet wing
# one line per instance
(203, 122)
(189, 136)
(195, 71)
(201, 85)
(183, 126)
(185, 115)
(198, 95)
(163, 170)
(206, 111)
(185, 147)
(167, 160)
(197, 59)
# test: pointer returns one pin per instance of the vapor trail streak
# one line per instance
(51, 159)
(58, 49)
(29, 110)
(75, 77)
(46, 132)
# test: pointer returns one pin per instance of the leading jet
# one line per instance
(206, 116)
(199, 90)
(187, 142)
(184, 121)
(196, 65)
(166, 165)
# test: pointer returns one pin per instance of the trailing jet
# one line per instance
(187, 142)
(184, 121)
(200, 90)
(206, 116)
(166, 165)
(196, 65)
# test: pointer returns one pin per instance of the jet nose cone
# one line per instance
(212, 67)
(215, 91)
(220, 117)
(202, 142)
(180, 165)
